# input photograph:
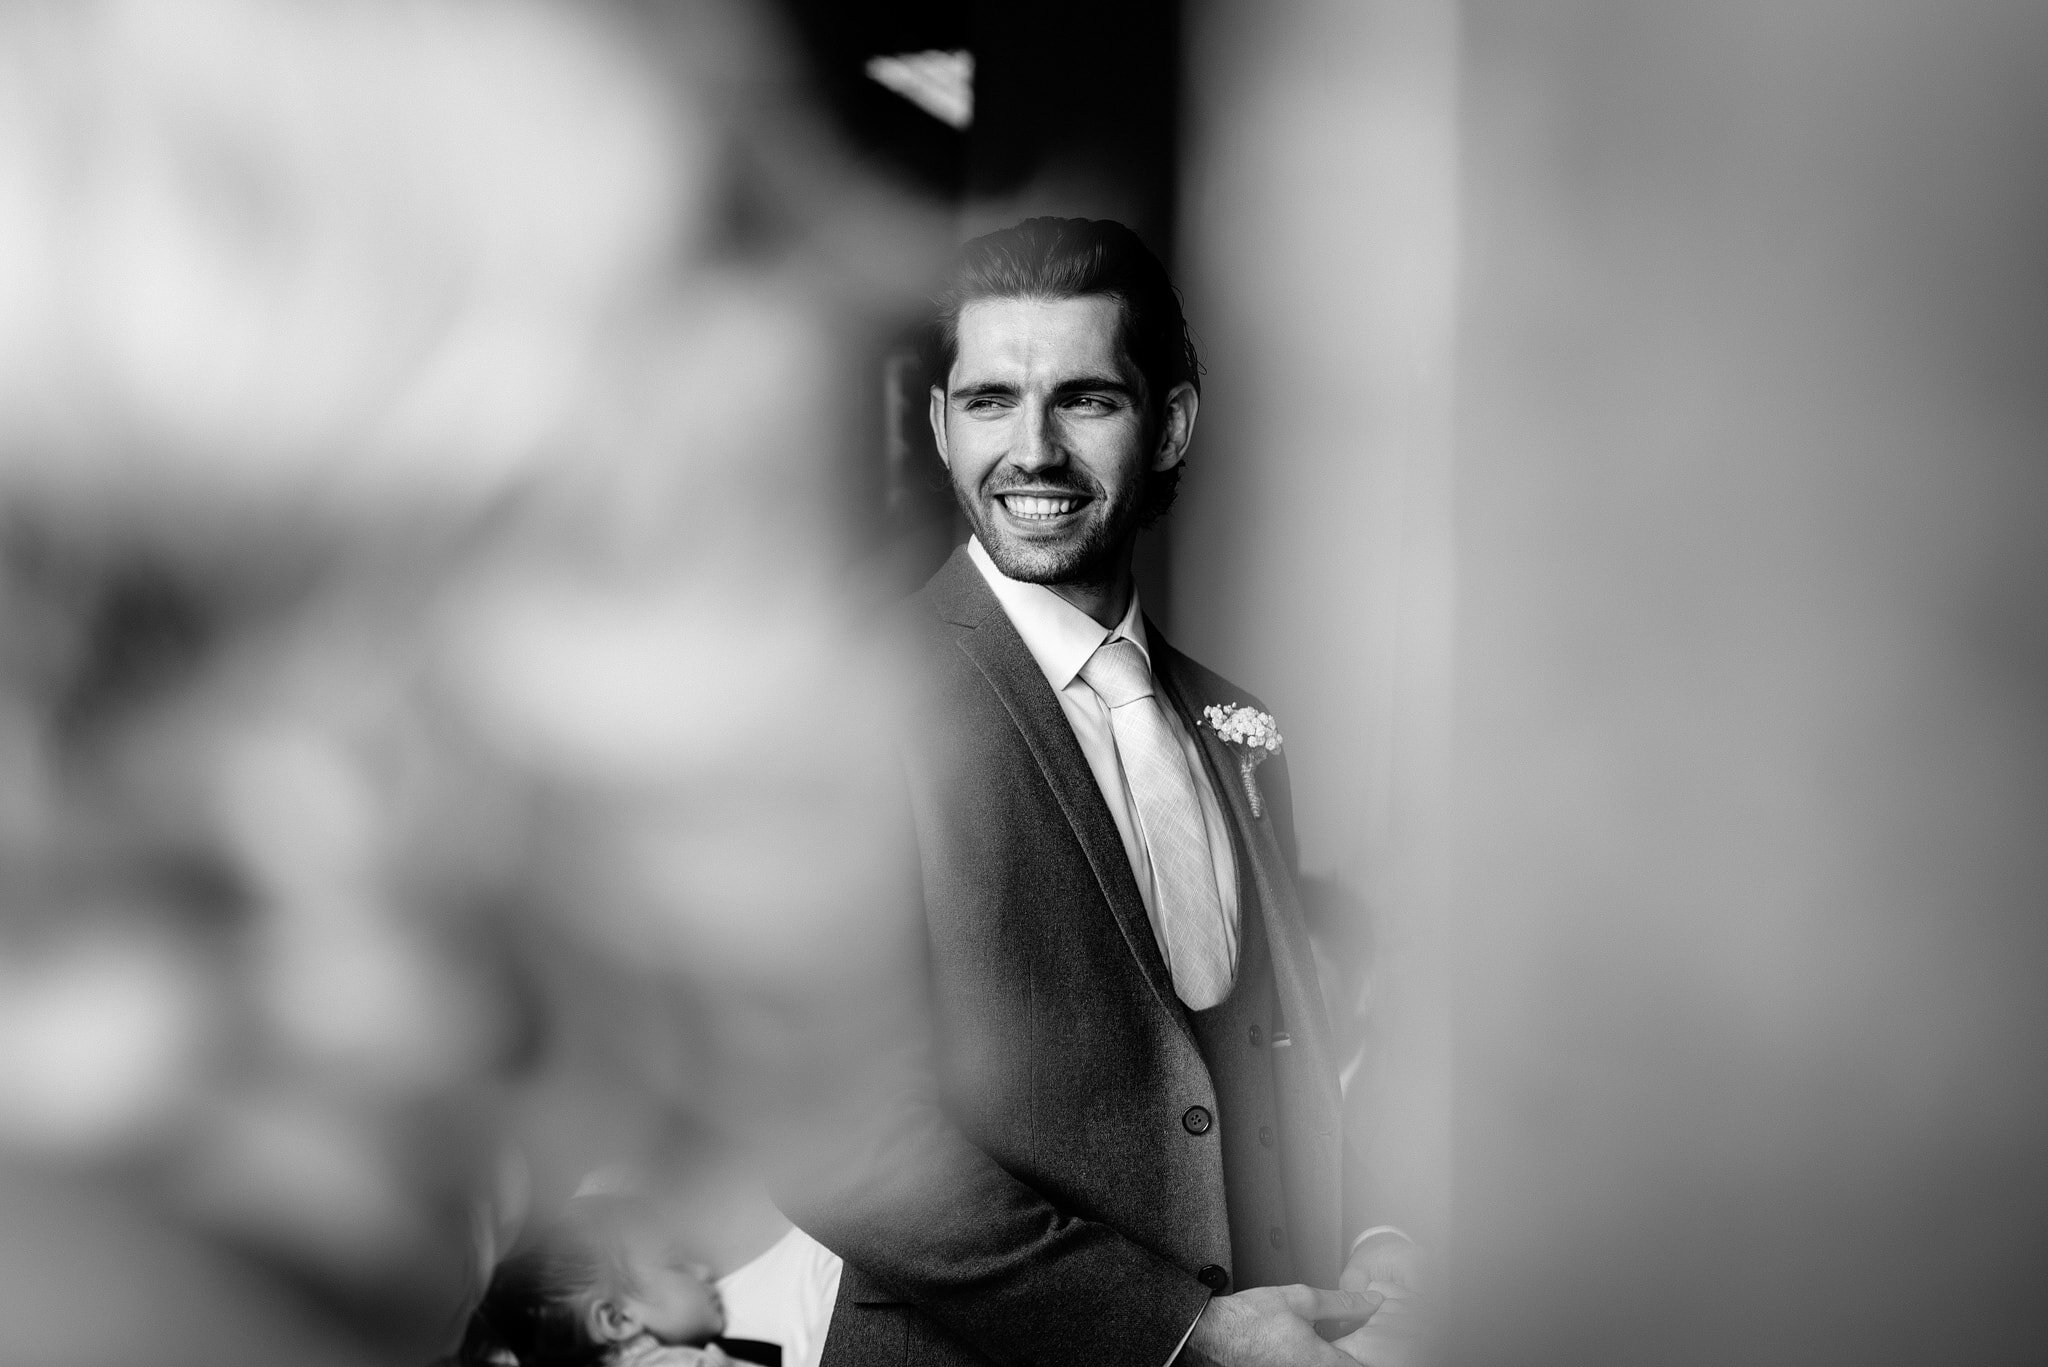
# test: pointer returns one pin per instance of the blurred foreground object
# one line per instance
(428, 708)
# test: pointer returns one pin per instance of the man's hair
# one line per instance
(1069, 258)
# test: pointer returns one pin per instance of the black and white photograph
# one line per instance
(1179, 683)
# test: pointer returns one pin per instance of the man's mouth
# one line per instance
(1040, 507)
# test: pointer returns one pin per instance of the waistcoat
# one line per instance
(1237, 1039)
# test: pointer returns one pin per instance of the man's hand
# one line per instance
(1386, 1262)
(1390, 1265)
(1274, 1326)
(1386, 1343)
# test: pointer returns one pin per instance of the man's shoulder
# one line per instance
(953, 599)
(926, 627)
(955, 593)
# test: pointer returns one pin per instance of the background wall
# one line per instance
(1075, 112)
(1751, 757)
(1662, 656)
(1311, 551)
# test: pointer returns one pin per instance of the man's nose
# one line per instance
(1038, 443)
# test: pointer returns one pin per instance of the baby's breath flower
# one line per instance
(1244, 726)
(1253, 734)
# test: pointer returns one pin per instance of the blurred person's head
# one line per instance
(605, 1275)
(1065, 392)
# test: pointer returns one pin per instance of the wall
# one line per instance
(1311, 550)
(1621, 469)
(1750, 752)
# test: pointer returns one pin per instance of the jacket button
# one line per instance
(1213, 1277)
(1266, 1136)
(1258, 1037)
(1197, 1120)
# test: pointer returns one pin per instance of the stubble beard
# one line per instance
(1091, 559)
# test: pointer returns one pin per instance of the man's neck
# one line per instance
(1106, 602)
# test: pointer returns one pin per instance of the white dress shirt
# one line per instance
(1061, 638)
(784, 1296)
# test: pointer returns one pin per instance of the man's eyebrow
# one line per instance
(986, 389)
(1095, 384)
(1078, 384)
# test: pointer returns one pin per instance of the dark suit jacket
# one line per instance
(1045, 1200)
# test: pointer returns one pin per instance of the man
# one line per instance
(1132, 1153)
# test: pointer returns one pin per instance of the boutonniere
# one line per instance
(1252, 736)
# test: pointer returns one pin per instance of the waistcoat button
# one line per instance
(1213, 1277)
(1197, 1120)
(1266, 1135)
(1279, 1239)
(1258, 1037)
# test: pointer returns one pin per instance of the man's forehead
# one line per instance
(1044, 338)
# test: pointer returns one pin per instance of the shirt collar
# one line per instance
(1059, 635)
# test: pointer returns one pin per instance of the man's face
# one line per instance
(1043, 429)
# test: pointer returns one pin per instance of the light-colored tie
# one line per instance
(1170, 818)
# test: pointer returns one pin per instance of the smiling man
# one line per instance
(1129, 1148)
(1056, 453)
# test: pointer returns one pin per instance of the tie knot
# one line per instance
(1117, 672)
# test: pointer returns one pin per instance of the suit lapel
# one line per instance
(1271, 880)
(988, 638)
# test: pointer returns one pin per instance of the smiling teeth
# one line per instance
(1024, 505)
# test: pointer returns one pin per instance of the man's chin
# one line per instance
(1037, 564)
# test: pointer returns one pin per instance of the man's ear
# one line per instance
(1176, 426)
(937, 414)
(610, 1322)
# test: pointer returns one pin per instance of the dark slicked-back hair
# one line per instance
(1068, 258)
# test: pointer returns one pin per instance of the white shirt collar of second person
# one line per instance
(1059, 635)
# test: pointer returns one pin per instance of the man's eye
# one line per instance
(983, 405)
(1090, 403)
